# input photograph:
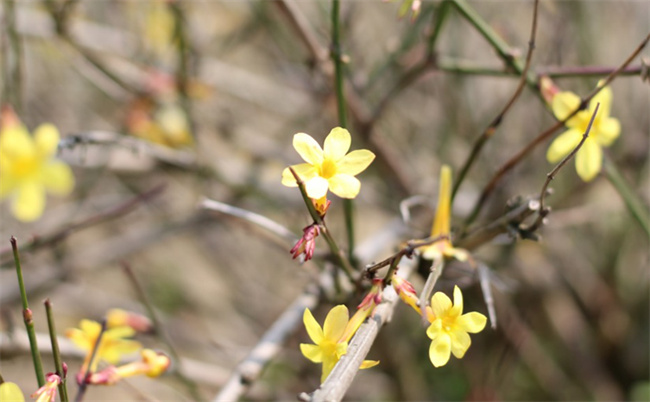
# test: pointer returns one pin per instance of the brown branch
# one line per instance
(107, 215)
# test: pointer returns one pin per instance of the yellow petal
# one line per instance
(304, 170)
(458, 300)
(441, 222)
(335, 323)
(46, 138)
(308, 148)
(608, 130)
(440, 350)
(604, 97)
(112, 352)
(328, 365)
(337, 144)
(345, 186)
(431, 253)
(460, 342)
(589, 160)
(471, 322)
(435, 329)
(314, 330)
(29, 203)
(440, 304)
(16, 142)
(316, 187)
(10, 392)
(563, 145)
(564, 103)
(312, 352)
(7, 182)
(57, 178)
(368, 363)
(355, 162)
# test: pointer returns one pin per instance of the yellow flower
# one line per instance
(112, 345)
(28, 167)
(329, 167)
(47, 393)
(330, 341)
(441, 223)
(449, 329)
(152, 364)
(604, 131)
(10, 392)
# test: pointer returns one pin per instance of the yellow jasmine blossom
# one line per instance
(152, 364)
(330, 167)
(28, 167)
(10, 392)
(112, 347)
(47, 393)
(450, 328)
(604, 131)
(330, 341)
(441, 223)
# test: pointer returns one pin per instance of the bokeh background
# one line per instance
(221, 94)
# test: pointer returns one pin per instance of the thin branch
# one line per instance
(517, 158)
(543, 211)
(249, 370)
(107, 215)
(252, 217)
(491, 129)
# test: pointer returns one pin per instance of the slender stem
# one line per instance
(336, 54)
(56, 354)
(439, 18)
(436, 270)
(344, 263)
(638, 210)
(492, 127)
(160, 330)
(84, 378)
(13, 60)
(28, 317)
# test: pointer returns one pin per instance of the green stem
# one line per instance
(28, 318)
(439, 16)
(56, 354)
(344, 263)
(632, 201)
(339, 86)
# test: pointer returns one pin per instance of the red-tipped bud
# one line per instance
(307, 243)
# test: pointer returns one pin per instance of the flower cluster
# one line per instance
(604, 131)
(29, 167)
(114, 343)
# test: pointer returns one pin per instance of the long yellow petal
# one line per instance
(604, 97)
(316, 187)
(314, 330)
(305, 171)
(441, 222)
(471, 322)
(308, 148)
(440, 350)
(337, 143)
(460, 342)
(563, 144)
(29, 203)
(607, 131)
(46, 138)
(589, 160)
(335, 323)
(440, 304)
(57, 178)
(312, 352)
(355, 162)
(345, 186)
(564, 103)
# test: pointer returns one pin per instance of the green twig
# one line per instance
(638, 210)
(337, 56)
(344, 263)
(28, 317)
(439, 18)
(56, 354)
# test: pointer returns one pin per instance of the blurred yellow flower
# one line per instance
(449, 329)
(28, 167)
(112, 347)
(604, 131)
(441, 223)
(330, 341)
(47, 393)
(10, 392)
(329, 167)
(152, 364)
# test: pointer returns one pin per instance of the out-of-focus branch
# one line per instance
(496, 122)
(107, 215)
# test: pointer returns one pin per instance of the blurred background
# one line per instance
(203, 98)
